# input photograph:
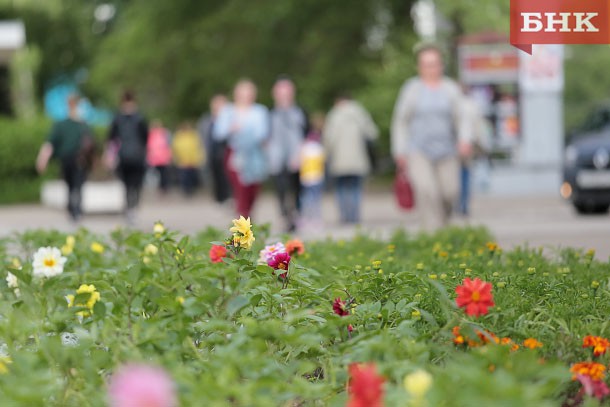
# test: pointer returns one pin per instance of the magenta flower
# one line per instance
(280, 261)
(141, 386)
(593, 388)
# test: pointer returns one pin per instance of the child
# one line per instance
(312, 173)
(159, 153)
(189, 156)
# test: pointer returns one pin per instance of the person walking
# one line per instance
(189, 157)
(71, 142)
(159, 153)
(312, 175)
(129, 131)
(428, 137)
(348, 129)
(244, 125)
(288, 126)
(216, 149)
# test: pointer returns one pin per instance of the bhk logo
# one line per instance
(558, 22)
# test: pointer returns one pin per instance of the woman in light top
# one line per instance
(244, 124)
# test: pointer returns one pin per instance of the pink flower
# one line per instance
(594, 388)
(280, 261)
(141, 386)
(269, 251)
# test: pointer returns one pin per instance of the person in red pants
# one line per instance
(244, 124)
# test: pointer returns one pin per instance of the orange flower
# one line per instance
(532, 343)
(475, 296)
(595, 371)
(508, 341)
(491, 246)
(458, 339)
(598, 344)
(294, 247)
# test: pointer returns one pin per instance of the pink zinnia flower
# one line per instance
(593, 388)
(270, 251)
(280, 261)
(141, 386)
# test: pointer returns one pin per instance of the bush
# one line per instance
(19, 144)
(236, 334)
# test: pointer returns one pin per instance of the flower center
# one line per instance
(49, 262)
(282, 266)
(476, 296)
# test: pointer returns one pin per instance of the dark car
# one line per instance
(586, 172)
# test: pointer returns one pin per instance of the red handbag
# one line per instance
(403, 191)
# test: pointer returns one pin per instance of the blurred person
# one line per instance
(189, 156)
(428, 137)
(244, 124)
(478, 129)
(288, 126)
(129, 131)
(67, 142)
(312, 174)
(216, 149)
(346, 132)
(159, 153)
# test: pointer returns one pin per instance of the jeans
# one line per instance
(220, 182)
(74, 176)
(163, 171)
(464, 189)
(311, 202)
(349, 195)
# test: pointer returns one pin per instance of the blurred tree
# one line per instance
(177, 54)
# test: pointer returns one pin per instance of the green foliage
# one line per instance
(19, 144)
(231, 334)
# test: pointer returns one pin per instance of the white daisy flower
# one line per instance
(48, 262)
(11, 280)
(270, 251)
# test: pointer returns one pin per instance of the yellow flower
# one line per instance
(432, 276)
(242, 233)
(15, 264)
(415, 314)
(492, 246)
(97, 248)
(595, 284)
(70, 241)
(158, 229)
(420, 266)
(146, 260)
(180, 300)
(4, 362)
(376, 264)
(531, 270)
(418, 383)
(93, 298)
(66, 250)
(151, 249)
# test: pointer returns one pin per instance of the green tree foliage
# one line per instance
(177, 54)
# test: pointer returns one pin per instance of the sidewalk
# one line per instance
(535, 220)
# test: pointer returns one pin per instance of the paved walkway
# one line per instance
(542, 220)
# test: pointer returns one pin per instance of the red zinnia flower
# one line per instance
(339, 308)
(365, 386)
(475, 296)
(217, 253)
(294, 247)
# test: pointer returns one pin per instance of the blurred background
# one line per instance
(176, 55)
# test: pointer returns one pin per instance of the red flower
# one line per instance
(217, 253)
(294, 247)
(475, 296)
(593, 388)
(339, 308)
(365, 386)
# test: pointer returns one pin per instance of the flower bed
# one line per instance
(232, 318)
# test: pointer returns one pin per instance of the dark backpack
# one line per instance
(133, 146)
